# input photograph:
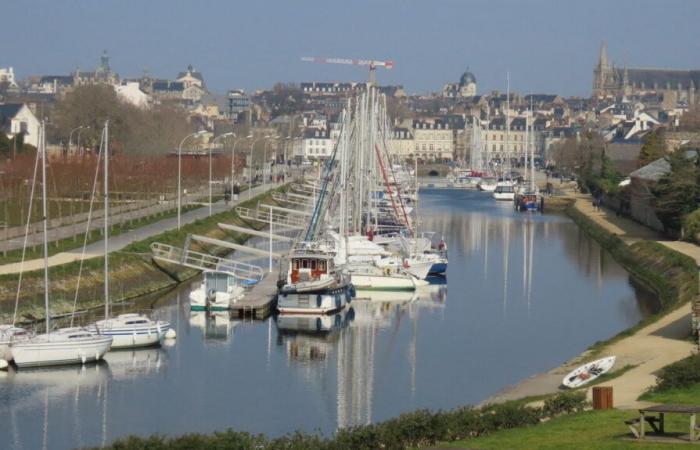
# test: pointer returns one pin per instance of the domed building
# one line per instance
(465, 88)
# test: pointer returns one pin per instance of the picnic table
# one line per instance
(654, 416)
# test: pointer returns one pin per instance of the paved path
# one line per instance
(649, 349)
(96, 249)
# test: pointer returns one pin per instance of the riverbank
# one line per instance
(656, 341)
(132, 272)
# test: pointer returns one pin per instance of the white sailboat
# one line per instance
(67, 345)
(127, 330)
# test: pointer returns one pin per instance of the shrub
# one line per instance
(691, 226)
(680, 374)
(564, 403)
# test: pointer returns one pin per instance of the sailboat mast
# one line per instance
(105, 137)
(507, 121)
(42, 144)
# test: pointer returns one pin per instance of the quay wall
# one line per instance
(132, 272)
(671, 275)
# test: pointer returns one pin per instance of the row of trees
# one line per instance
(133, 130)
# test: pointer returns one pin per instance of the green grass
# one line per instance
(587, 430)
(682, 396)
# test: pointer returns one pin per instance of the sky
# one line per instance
(547, 46)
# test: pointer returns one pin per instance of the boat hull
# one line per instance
(322, 302)
(59, 353)
(131, 337)
(382, 283)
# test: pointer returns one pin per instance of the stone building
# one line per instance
(465, 88)
(677, 86)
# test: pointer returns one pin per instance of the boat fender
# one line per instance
(170, 334)
(3, 364)
(337, 300)
(318, 300)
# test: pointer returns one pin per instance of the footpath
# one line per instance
(647, 350)
(96, 249)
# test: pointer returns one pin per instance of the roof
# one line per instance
(652, 171)
(165, 85)
(662, 78)
(59, 79)
(10, 110)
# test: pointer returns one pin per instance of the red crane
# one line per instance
(373, 64)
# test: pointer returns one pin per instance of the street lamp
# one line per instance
(225, 135)
(250, 174)
(179, 174)
(70, 136)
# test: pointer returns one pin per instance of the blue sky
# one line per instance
(546, 45)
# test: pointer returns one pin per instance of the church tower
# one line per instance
(602, 74)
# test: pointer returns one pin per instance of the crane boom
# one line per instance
(373, 64)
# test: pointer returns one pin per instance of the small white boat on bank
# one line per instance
(588, 372)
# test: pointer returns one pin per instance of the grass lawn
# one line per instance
(685, 396)
(587, 430)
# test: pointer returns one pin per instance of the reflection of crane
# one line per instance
(354, 62)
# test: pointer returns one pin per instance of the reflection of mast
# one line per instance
(506, 243)
(356, 370)
(530, 257)
(44, 442)
(412, 352)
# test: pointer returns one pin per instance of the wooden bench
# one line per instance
(656, 424)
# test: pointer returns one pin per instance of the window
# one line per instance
(304, 263)
(313, 264)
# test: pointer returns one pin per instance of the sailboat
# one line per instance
(127, 330)
(66, 345)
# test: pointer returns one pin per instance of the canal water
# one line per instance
(524, 293)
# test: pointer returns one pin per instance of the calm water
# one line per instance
(526, 292)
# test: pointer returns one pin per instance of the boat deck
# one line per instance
(259, 301)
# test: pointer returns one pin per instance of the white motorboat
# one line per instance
(504, 191)
(67, 345)
(371, 277)
(487, 184)
(132, 330)
(414, 266)
(313, 284)
(217, 292)
(64, 346)
(588, 372)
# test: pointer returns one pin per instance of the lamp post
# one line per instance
(70, 136)
(233, 159)
(225, 135)
(250, 174)
(179, 175)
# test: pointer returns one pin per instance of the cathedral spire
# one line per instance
(603, 59)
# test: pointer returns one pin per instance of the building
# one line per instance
(103, 74)
(433, 139)
(465, 88)
(501, 142)
(238, 105)
(7, 75)
(130, 92)
(610, 81)
(317, 144)
(16, 118)
(401, 143)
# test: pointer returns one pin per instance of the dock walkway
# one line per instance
(259, 301)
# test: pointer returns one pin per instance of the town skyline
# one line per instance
(558, 57)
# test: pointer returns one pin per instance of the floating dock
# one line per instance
(259, 302)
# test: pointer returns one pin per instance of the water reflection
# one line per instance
(216, 327)
(518, 285)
